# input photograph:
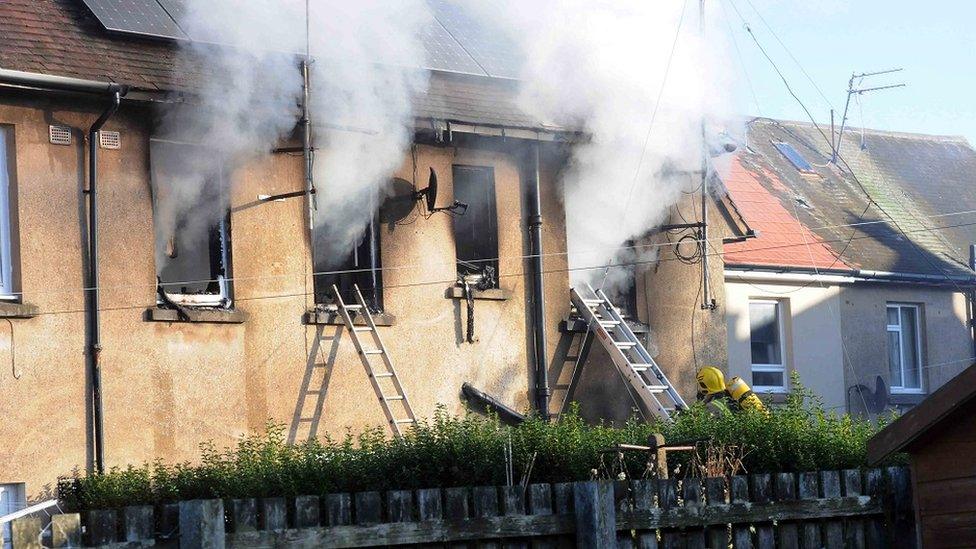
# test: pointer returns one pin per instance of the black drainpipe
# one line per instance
(116, 92)
(542, 391)
(95, 337)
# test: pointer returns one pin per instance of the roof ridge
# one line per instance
(874, 131)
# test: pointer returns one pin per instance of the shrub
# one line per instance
(470, 450)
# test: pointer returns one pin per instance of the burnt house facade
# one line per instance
(207, 337)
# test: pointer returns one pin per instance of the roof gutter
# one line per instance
(114, 92)
(841, 276)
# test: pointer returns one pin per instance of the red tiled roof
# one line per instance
(783, 241)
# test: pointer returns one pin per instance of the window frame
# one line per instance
(770, 368)
(493, 262)
(224, 297)
(889, 328)
(7, 214)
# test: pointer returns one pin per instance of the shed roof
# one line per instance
(937, 409)
(901, 203)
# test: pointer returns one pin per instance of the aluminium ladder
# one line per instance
(378, 377)
(628, 354)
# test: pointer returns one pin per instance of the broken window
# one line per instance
(362, 267)
(191, 217)
(7, 213)
(476, 232)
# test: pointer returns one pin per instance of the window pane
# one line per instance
(5, 172)
(767, 379)
(476, 232)
(894, 359)
(764, 325)
(892, 316)
(909, 327)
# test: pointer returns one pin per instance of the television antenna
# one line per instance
(854, 88)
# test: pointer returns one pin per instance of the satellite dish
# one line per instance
(400, 202)
(430, 193)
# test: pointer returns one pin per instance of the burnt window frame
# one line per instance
(373, 292)
(221, 273)
(490, 258)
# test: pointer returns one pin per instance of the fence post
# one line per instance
(902, 513)
(138, 523)
(26, 533)
(202, 524)
(101, 527)
(244, 515)
(307, 513)
(784, 489)
(66, 530)
(274, 514)
(596, 516)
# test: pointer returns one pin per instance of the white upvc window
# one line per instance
(904, 348)
(6, 247)
(766, 345)
(12, 499)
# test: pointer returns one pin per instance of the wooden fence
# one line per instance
(831, 509)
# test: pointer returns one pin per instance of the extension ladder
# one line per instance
(380, 378)
(628, 354)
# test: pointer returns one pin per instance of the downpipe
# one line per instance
(542, 391)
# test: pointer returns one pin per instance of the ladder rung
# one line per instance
(656, 388)
(592, 301)
(354, 307)
(609, 323)
(641, 367)
(398, 397)
(359, 329)
(372, 351)
(625, 344)
(404, 421)
(383, 374)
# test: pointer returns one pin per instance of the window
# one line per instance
(191, 217)
(362, 267)
(7, 213)
(904, 358)
(794, 157)
(766, 341)
(12, 499)
(476, 232)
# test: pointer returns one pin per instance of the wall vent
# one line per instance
(109, 140)
(59, 135)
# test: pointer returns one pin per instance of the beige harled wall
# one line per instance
(170, 386)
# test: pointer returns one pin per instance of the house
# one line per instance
(939, 435)
(206, 339)
(856, 274)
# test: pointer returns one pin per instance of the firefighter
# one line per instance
(736, 395)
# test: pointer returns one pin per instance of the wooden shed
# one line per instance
(940, 437)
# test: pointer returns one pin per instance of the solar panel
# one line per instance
(144, 17)
(175, 8)
(794, 157)
(445, 54)
(497, 55)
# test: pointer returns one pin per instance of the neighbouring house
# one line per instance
(939, 436)
(855, 274)
(238, 328)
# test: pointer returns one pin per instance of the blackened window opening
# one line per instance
(362, 267)
(476, 232)
(192, 224)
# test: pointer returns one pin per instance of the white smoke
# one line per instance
(601, 65)
(363, 77)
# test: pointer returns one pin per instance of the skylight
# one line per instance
(794, 157)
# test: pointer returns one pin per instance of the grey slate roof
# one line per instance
(62, 37)
(914, 181)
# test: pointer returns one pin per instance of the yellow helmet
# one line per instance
(710, 381)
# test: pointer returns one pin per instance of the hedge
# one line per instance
(470, 450)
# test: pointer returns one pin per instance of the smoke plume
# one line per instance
(363, 76)
(602, 65)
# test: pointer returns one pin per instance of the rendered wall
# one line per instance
(168, 386)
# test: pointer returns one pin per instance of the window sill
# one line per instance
(906, 398)
(193, 314)
(10, 309)
(318, 317)
(491, 294)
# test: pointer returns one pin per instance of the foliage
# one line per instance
(470, 450)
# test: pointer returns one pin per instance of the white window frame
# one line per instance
(901, 389)
(6, 247)
(223, 298)
(770, 368)
(12, 499)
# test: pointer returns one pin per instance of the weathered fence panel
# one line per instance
(831, 509)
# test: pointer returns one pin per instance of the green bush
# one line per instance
(470, 450)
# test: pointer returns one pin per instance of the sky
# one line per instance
(934, 42)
